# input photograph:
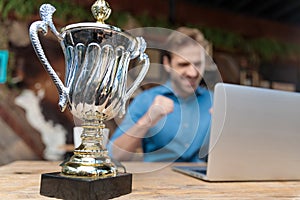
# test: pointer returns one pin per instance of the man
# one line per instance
(170, 122)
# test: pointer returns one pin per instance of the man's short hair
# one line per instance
(184, 36)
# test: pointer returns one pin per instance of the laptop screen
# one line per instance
(255, 134)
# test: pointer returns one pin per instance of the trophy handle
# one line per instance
(46, 11)
(145, 66)
(144, 59)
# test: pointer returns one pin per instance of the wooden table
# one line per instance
(21, 180)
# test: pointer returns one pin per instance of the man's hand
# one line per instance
(160, 107)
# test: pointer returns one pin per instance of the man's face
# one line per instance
(186, 69)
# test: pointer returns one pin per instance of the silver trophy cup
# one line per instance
(97, 59)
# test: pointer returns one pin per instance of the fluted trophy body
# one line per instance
(97, 61)
(97, 58)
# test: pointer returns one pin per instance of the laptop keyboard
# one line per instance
(201, 170)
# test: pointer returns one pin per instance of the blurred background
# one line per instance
(253, 43)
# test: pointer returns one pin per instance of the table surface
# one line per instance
(21, 180)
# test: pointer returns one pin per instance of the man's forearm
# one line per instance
(126, 145)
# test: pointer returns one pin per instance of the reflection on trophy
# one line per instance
(97, 58)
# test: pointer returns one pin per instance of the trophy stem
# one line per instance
(91, 158)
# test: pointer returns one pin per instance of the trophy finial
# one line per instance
(101, 11)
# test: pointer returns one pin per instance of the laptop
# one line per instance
(255, 136)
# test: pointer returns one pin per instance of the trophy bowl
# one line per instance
(97, 58)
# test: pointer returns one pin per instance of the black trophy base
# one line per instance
(58, 186)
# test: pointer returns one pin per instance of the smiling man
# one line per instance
(170, 122)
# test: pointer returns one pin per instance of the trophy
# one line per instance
(97, 58)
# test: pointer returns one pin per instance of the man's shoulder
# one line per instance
(154, 91)
(204, 90)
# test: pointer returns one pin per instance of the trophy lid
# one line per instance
(101, 12)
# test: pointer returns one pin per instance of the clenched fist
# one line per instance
(160, 107)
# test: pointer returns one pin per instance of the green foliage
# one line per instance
(65, 10)
(21, 9)
(147, 21)
(119, 19)
(221, 39)
(265, 48)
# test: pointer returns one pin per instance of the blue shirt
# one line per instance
(180, 134)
